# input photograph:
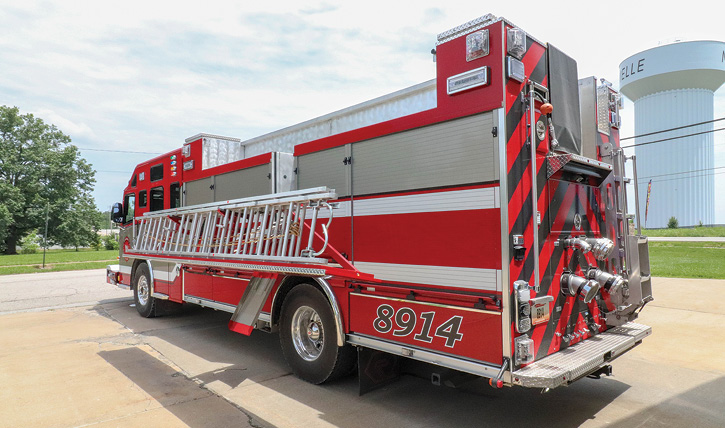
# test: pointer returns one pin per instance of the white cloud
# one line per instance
(69, 127)
(143, 75)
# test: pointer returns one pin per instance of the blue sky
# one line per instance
(143, 76)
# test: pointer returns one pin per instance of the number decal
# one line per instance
(406, 320)
(449, 331)
(383, 323)
(424, 335)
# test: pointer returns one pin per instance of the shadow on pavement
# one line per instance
(173, 391)
(705, 400)
(244, 362)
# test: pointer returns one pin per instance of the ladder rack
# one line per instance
(268, 228)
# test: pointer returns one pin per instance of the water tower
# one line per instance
(673, 86)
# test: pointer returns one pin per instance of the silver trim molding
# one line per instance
(456, 363)
(335, 309)
(244, 266)
(210, 304)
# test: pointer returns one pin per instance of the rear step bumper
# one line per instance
(111, 276)
(577, 361)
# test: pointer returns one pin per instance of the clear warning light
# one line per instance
(476, 45)
(516, 42)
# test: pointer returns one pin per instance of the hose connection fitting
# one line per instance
(574, 285)
(610, 282)
(600, 247)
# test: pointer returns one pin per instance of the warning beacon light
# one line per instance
(516, 42)
(476, 45)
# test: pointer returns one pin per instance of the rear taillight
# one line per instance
(524, 350)
(523, 306)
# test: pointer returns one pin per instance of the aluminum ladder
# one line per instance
(264, 228)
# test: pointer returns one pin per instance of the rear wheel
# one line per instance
(142, 292)
(308, 336)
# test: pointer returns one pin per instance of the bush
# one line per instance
(110, 242)
(672, 223)
(96, 243)
(30, 244)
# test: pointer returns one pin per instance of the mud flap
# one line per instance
(250, 305)
(376, 369)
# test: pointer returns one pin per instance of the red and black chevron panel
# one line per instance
(558, 203)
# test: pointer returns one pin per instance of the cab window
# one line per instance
(129, 207)
(157, 199)
(174, 195)
(142, 199)
(157, 172)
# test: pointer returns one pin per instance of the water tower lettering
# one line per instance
(633, 68)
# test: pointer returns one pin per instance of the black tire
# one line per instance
(145, 303)
(312, 352)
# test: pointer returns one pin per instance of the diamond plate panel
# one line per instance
(555, 162)
(578, 360)
(468, 26)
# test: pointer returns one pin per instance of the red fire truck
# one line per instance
(477, 222)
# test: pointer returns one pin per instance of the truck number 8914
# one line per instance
(403, 323)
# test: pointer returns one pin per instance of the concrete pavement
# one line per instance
(42, 291)
(103, 365)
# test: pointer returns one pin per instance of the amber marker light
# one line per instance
(546, 108)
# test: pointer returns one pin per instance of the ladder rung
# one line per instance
(270, 228)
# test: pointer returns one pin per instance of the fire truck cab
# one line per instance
(477, 222)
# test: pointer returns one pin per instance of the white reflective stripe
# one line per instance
(161, 273)
(124, 269)
(455, 200)
(482, 279)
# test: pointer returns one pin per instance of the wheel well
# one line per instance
(136, 263)
(288, 283)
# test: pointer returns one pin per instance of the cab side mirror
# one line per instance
(117, 213)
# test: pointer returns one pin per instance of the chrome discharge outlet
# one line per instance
(600, 247)
(579, 243)
(575, 285)
(610, 282)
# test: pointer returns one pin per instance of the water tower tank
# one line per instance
(673, 86)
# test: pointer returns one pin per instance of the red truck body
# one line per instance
(465, 233)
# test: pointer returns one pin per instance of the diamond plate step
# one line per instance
(581, 359)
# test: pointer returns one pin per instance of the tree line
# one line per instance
(40, 170)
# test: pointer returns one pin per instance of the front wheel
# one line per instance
(142, 292)
(308, 337)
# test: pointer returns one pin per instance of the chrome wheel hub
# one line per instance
(142, 290)
(307, 333)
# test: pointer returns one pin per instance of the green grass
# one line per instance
(58, 256)
(56, 261)
(9, 270)
(667, 259)
(695, 231)
(688, 259)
